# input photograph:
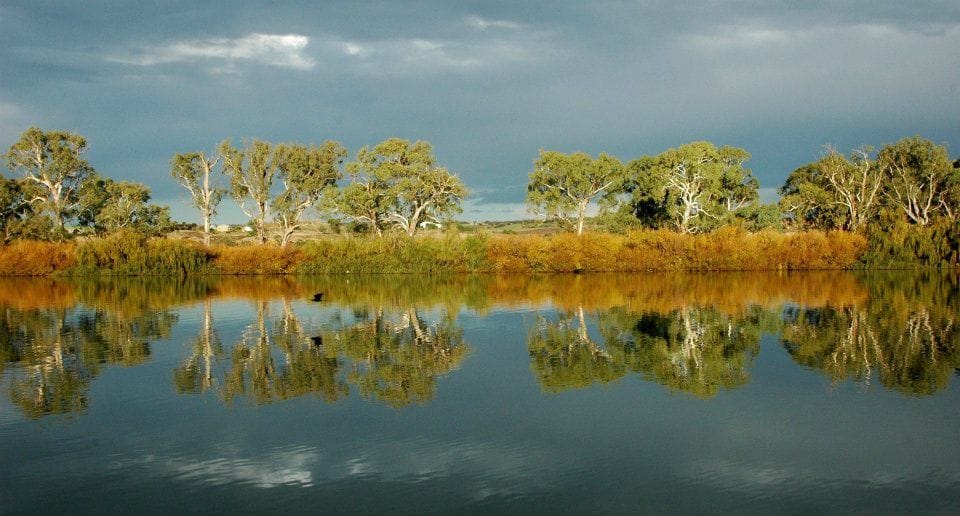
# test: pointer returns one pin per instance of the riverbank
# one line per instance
(126, 254)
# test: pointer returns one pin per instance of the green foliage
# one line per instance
(309, 175)
(808, 201)
(252, 171)
(17, 218)
(918, 178)
(759, 217)
(697, 187)
(564, 183)
(52, 162)
(109, 206)
(396, 254)
(399, 183)
(897, 244)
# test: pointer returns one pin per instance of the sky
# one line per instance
(488, 83)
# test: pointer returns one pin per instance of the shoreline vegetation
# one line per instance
(729, 249)
(391, 210)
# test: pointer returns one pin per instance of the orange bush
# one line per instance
(33, 258)
(256, 259)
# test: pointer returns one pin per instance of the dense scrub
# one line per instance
(899, 245)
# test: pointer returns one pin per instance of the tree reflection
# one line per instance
(691, 349)
(195, 374)
(391, 338)
(564, 356)
(57, 352)
(393, 356)
(300, 368)
(397, 355)
(915, 353)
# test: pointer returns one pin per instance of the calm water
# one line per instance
(746, 393)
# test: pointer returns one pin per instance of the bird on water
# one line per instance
(318, 297)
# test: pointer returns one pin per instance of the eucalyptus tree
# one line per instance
(561, 184)
(193, 170)
(13, 208)
(855, 183)
(53, 162)
(917, 175)
(309, 175)
(398, 182)
(252, 171)
(109, 205)
(696, 185)
(366, 199)
(808, 201)
(430, 196)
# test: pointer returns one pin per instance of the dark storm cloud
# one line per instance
(488, 83)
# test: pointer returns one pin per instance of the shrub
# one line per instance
(256, 259)
(127, 253)
(34, 258)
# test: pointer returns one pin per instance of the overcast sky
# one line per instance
(488, 83)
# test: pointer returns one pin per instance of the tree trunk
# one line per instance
(206, 229)
(261, 232)
(285, 235)
(581, 214)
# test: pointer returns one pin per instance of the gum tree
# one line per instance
(398, 182)
(109, 205)
(53, 162)
(251, 170)
(193, 171)
(917, 173)
(564, 184)
(696, 185)
(855, 183)
(309, 175)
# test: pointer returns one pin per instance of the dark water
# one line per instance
(746, 393)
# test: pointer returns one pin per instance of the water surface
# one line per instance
(799, 393)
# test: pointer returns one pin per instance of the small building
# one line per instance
(223, 228)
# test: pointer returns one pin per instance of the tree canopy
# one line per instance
(696, 187)
(52, 161)
(564, 184)
(398, 182)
